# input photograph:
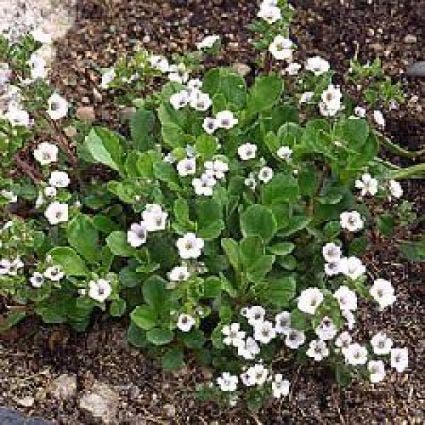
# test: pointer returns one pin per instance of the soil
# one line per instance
(102, 32)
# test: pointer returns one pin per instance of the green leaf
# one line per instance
(11, 320)
(144, 317)
(260, 267)
(117, 243)
(209, 217)
(265, 92)
(206, 146)
(282, 188)
(172, 125)
(158, 336)
(413, 251)
(296, 223)
(117, 307)
(83, 237)
(173, 359)
(281, 248)
(105, 147)
(231, 250)
(194, 339)
(250, 248)
(279, 291)
(136, 336)
(299, 320)
(71, 263)
(386, 224)
(142, 126)
(166, 173)
(155, 292)
(258, 220)
(104, 224)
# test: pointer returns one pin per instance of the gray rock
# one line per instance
(416, 70)
(64, 387)
(410, 39)
(10, 417)
(85, 113)
(101, 402)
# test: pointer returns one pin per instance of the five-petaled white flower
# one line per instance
(326, 329)
(210, 125)
(395, 188)
(269, 13)
(160, 63)
(265, 174)
(204, 185)
(383, 293)
(254, 314)
(378, 116)
(190, 246)
(264, 331)
(367, 185)
(281, 48)
(56, 212)
(331, 252)
(180, 99)
(154, 217)
(399, 359)
(57, 107)
(17, 116)
(233, 335)
(359, 111)
(107, 78)
(381, 344)
(351, 221)
(46, 153)
(59, 179)
(200, 101)
(283, 322)
(37, 66)
(280, 386)
(352, 267)
(37, 280)
(248, 349)
(185, 322)
(54, 273)
(186, 167)
(247, 151)
(309, 300)
(179, 274)
(226, 119)
(294, 339)
(208, 42)
(376, 370)
(284, 152)
(347, 298)
(227, 382)
(317, 65)
(317, 350)
(99, 290)
(343, 341)
(137, 234)
(355, 354)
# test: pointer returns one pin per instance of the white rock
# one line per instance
(64, 387)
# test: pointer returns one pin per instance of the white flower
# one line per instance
(326, 329)
(355, 354)
(347, 298)
(137, 234)
(265, 174)
(317, 65)
(178, 73)
(227, 382)
(379, 118)
(381, 344)
(349, 318)
(280, 386)
(306, 97)
(185, 322)
(190, 246)
(10, 196)
(328, 110)
(200, 101)
(351, 221)
(37, 280)
(247, 151)
(264, 331)
(56, 213)
(37, 67)
(281, 48)
(207, 42)
(383, 293)
(180, 99)
(309, 300)
(293, 68)
(14, 266)
(5, 266)
(331, 252)
(186, 167)
(179, 274)
(204, 185)
(284, 152)
(259, 374)
(270, 14)
(399, 359)
(41, 36)
(283, 322)
(332, 269)
(343, 341)
(216, 168)
(226, 120)
(107, 78)
(154, 217)
(254, 314)
(250, 182)
(210, 125)
(17, 116)
(59, 179)
(233, 335)
(294, 339)
(352, 267)
(46, 153)
(248, 349)
(395, 189)
(367, 184)
(360, 111)
(58, 107)
(160, 63)
(317, 350)
(332, 96)
(54, 273)
(376, 370)
(99, 290)
(50, 191)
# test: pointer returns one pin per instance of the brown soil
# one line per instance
(104, 30)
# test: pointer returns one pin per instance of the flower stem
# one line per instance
(398, 150)
(414, 172)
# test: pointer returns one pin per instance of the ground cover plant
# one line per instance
(229, 223)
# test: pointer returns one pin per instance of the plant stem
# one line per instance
(413, 172)
(398, 150)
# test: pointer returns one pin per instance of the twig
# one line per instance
(26, 168)
(394, 148)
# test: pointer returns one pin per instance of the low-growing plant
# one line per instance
(228, 224)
